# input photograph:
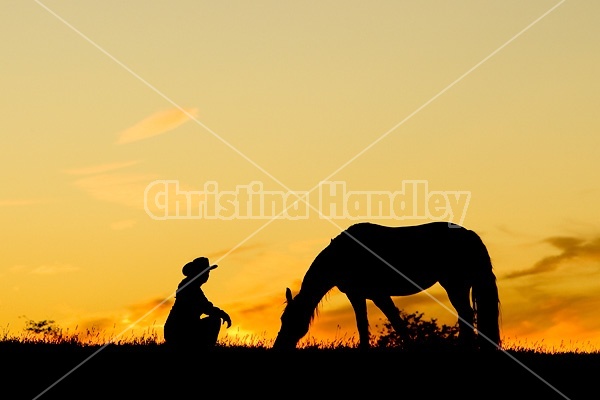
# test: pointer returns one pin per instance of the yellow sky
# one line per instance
(99, 100)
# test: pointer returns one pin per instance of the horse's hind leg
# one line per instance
(459, 296)
(359, 303)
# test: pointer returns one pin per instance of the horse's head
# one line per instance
(294, 323)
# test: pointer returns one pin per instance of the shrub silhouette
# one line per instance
(45, 327)
(417, 333)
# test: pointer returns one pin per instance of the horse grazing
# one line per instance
(374, 262)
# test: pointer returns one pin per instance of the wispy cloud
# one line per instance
(107, 182)
(130, 320)
(156, 124)
(241, 249)
(160, 306)
(44, 269)
(98, 169)
(572, 248)
(552, 309)
(112, 183)
(20, 202)
(120, 188)
(53, 269)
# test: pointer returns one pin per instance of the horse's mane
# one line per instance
(317, 309)
(336, 246)
(315, 312)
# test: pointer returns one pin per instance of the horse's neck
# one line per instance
(312, 291)
(317, 281)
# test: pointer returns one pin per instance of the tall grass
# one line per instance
(539, 347)
(45, 333)
(95, 337)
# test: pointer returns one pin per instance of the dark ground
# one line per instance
(151, 372)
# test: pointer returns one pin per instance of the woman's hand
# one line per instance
(225, 318)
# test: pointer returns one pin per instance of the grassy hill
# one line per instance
(150, 371)
(46, 363)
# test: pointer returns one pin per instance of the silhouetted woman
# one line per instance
(185, 327)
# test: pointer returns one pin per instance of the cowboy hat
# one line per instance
(197, 266)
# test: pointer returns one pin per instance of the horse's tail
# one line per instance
(486, 301)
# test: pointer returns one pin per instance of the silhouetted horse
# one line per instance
(370, 261)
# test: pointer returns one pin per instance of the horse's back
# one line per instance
(399, 259)
(402, 240)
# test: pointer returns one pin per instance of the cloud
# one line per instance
(97, 169)
(120, 188)
(552, 310)
(145, 191)
(53, 269)
(107, 182)
(258, 309)
(237, 250)
(156, 124)
(16, 269)
(20, 202)
(45, 269)
(572, 248)
(131, 320)
(145, 309)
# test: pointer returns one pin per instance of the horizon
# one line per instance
(400, 113)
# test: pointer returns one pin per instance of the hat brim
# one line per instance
(196, 267)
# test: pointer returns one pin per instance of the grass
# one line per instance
(46, 359)
(94, 338)
(53, 335)
(46, 334)
(539, 347)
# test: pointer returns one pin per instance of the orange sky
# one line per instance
(492, 101)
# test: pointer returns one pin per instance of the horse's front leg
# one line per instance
(389, 309)
(359, 303)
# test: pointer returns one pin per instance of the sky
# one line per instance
(110, 108)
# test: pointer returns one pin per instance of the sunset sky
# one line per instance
(103, 102)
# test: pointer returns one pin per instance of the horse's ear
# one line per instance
(288, 295)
